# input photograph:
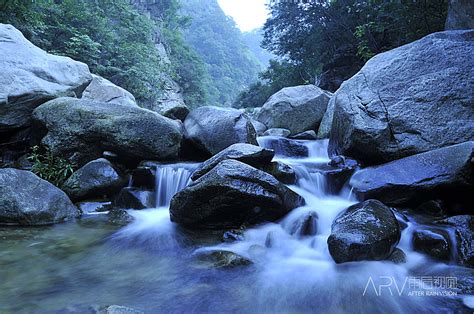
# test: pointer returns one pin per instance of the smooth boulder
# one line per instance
(408, 100)
(27, 200)
(252, 155)
(364, 231)
(96, 179)
(231, 194)
(418, 178)
(103, 90)
(30, 76)
(298, 108)
(81, 130)
(435, 243)
(212, 129)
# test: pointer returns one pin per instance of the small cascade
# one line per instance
(170, 179)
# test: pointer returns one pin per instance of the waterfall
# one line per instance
(170, 179)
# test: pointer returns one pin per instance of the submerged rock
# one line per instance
(119, 216)
(364, 231)
(103, 90)
(233, 235)
(306, 226)
(250, 154)
(231, 194)
(96, 179)
(212, 129)
(298, 108)
(398, 256)
(277, 132)
(81, 130)
(30, 76)
(434, 243)
(408, 100)
(26, 199)
(464, 228)
(224, 259)
(420, 177)
(134, 198)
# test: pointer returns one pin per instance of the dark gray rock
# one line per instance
(30, 76)
(96, 179)
(460, 15)
(408, 100)
(119, 216)
(464, 228)
(174, 110)
(26, 199)
(417, 178)
(298, 108)
(277, 132)
(281, 171)
(398, 256)
(306, 226)
(103, 90)
(252, 155)
(434, 243)
(81, 130)
(212, 129)
(224, 259)
(144, 177)
(364, 231)
(134, 198)
(231, 194)
(284, 147)
(306, 135)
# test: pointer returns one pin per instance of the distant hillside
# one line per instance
(253, 40)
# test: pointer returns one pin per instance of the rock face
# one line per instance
(252, 155)
(96, 179)
(211, 129)
(434, 243)
(173, 110)
(81, 130)
(408, 100)
(30, 77)
(104, 90)
(231, 194)
(26, 199)
(460, 15)
(326, 123)
(297, 109)
(419, 177)
(364, 231)
(464, 228)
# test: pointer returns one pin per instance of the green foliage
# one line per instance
(338, 36)
(111, 36)
(49, 167)
(230, 64)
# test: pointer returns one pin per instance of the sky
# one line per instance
(248, 14)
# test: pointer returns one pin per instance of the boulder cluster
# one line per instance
(407, 117)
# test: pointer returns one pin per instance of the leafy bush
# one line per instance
(49, 167)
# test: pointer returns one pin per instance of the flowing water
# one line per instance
(152, 264)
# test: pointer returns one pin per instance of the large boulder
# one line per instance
(460, 15)
(211, 129)
(231, 194)
(29, 77)
(435, 243)
(96, 179)
(252, 155)
(26, 199)
(408, 100)
(364, 231)
(81, 130)
(419, 177)
(298, 108)
(104, 90)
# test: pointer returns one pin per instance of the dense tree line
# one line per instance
(220, 44)
(325, 42)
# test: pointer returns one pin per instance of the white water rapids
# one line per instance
(295, 273)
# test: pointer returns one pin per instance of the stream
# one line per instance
(152, 265)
